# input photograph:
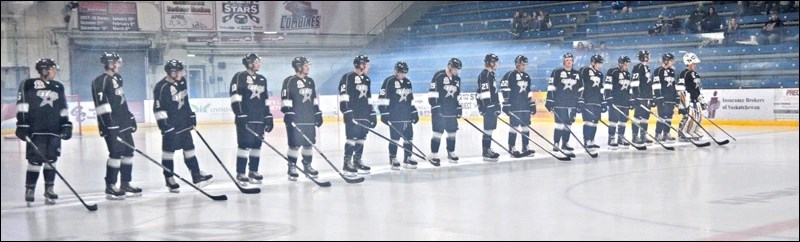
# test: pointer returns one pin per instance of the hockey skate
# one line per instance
(255, 177)
(362, 169)
(242, 179)
(394, 163)
(50, 196)
(490, 155)
(310, 170)
(172, 185)
(409, 163)
(292, 173)
(112, 193)
(29, 190)
(349, 170)
(433, 158)
(201, 179)
(130, 191)
(451, 156)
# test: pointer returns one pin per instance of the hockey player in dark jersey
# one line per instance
(563, 90)
(396, 109)
(115, 120)
(591, 102)
(693, 104)
(618, 94)
(176, 120)
(249, 104)
(445, 109)
(641, 95)
(518, 100)
(488, 104)
(300, 107)
(42, 117)
(666, 96)
(354, 103)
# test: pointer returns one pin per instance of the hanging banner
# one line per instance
(243, 16)
(188, 15)
(107, 16)
(300, 15)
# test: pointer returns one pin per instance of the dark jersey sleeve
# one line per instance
(160, 107)
(236, 96)
(101, 92)
(22, 104)
(287, 104)
(551, 88)
(344, 97)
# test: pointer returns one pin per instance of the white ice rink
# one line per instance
(746, 190)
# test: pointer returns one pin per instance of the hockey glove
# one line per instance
(241, 121)
(373, 121)
(288, 118)
(507, 109)
(23, 132)
(414, 115)
(703, 106)
(268, 123)
(580, 107)
(496, 111)
(532, 108)
(114, 131)
(459, 112)
(631, 104)
(656, 103)
(385, 119)
(318, 119)
(550, 105)
(66, 131)
(604, 107)
(193, 120)
(348, 117)
(683, 111)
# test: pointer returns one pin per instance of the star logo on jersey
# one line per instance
(624, 83)
(669, 81)
(595, 81)
(451, 90)
(178, 97)
(522, 86)
(306, 93)
(362, 91)
(47, 96)
(568, 83)
(403, 93)
(256, 91)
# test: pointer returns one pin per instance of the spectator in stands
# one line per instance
(711, 22)
(526, 21)
(546, 23)
(694, 22)
(740, 9)
(591, 47)
(674, 26)
(772, 30)
(536, 21)
(603, 50)
(657, 29)
(516, 24)
(580, 53)
(621, 7)
(732, 32)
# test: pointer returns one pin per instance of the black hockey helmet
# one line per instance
(173, 65)
(667, 57)
(249, 59)
(454, 63)
(642, 54)
(567, 55)
(597, 58)
(299, 62)
(109, 58)
(45, 64)
(401, 67)
(490, 58)
(521, 59)
(624, 59)
(360, 59)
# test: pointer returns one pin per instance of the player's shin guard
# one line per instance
(436, 139)
(241, 160)
(32, 174)
(125, 168)
(166, 161)
(112, 170)
(393, 148)
(191, 161)
(255, 158)
(49, 174)
(512, 138)
(451, 142)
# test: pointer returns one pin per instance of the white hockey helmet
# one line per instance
(690, 58)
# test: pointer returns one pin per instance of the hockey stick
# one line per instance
(704, 144)
(643, 147)
(593, 155)
(640, 127)
(715, 124)
(565, 158)
(244, 190)
(346, 179)
(92, 207)
(724, 142)
(498, 143)
(215, 198)
(387, 139)
(404, 137)
(542, 136)
(322, 184)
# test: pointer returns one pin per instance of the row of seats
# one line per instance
(498, 14)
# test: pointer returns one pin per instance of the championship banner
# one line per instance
(243, 16)
(188, 15)
(300, 15)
